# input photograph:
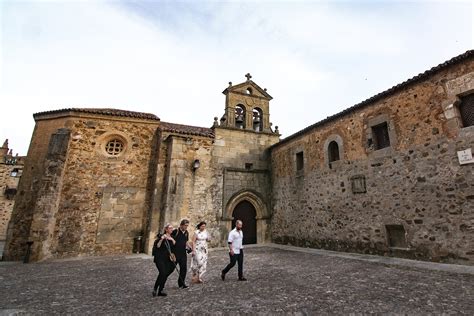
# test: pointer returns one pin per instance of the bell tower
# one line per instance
(247, 107)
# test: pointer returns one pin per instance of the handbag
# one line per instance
(172, 255)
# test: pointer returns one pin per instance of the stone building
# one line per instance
(384, 176)
(392, 175)
(11, 168)
(101, 177)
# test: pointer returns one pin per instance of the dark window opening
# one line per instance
(10, 160)
(257, 120)
(380, 136)
(333, 152)
(10, 193)
(299, 161)
(174, 186)
(16, 172)
(396, 236)
(240, 116)
(249, 90)
(248, 166)
(466, 108)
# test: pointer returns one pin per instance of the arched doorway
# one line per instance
(245, 211)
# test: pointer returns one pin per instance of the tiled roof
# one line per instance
(468, 54)
(102, 111)
(187, 129)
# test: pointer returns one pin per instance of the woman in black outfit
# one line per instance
(161, 253)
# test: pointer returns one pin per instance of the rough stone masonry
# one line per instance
(392, 175)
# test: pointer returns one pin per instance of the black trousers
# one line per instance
(239, 258)
(182, 261)
(165, 268)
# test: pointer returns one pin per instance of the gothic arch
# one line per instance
(261, 210)
(251, 196)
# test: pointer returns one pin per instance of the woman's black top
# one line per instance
(161, 253)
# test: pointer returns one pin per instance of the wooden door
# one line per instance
(246, 213)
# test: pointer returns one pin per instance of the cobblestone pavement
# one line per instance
(280, 281)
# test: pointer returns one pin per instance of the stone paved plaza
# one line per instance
(280, 281)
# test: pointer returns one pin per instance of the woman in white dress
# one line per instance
(199, 261)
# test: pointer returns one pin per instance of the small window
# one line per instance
(10, 193)
(358, 184)
(299, 161)
(15, 172)
(333, 152)
(248, 166)
(114, 147)
(249, 90)
(380, 136)
(396, 236)
(466, 108)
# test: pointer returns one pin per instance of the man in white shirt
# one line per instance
(236, 251)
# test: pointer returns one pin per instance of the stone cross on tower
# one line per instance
(248, 76)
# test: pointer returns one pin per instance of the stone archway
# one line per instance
(249, 200)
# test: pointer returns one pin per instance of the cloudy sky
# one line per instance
(174, 59)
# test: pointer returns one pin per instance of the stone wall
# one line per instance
(241, 162)
(45, 215)
(103, 200)
(412, 199)
(206, 193)
(10, 173)
(25, 200)
(81, 203)
(182, 191)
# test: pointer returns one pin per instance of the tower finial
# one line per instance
(248, 76)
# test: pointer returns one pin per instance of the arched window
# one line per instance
(240, 116)
(257, 120)
(249, 90)
(333, 152)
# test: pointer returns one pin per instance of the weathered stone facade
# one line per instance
(101, 177)
(11, 168)
(381, 177)
(411, 198)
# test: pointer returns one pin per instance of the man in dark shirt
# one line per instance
(181, 236)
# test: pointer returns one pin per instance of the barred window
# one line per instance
(466, 108)
(114, 147)
(380, 135)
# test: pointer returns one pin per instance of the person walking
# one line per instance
(236, 251)
(162, 256)
(199, 260)
(181, 236)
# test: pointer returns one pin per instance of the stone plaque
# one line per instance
(465, 156)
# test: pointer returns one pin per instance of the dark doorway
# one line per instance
(246, 213)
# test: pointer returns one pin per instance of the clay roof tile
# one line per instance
(102, 111)
(187, 129)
